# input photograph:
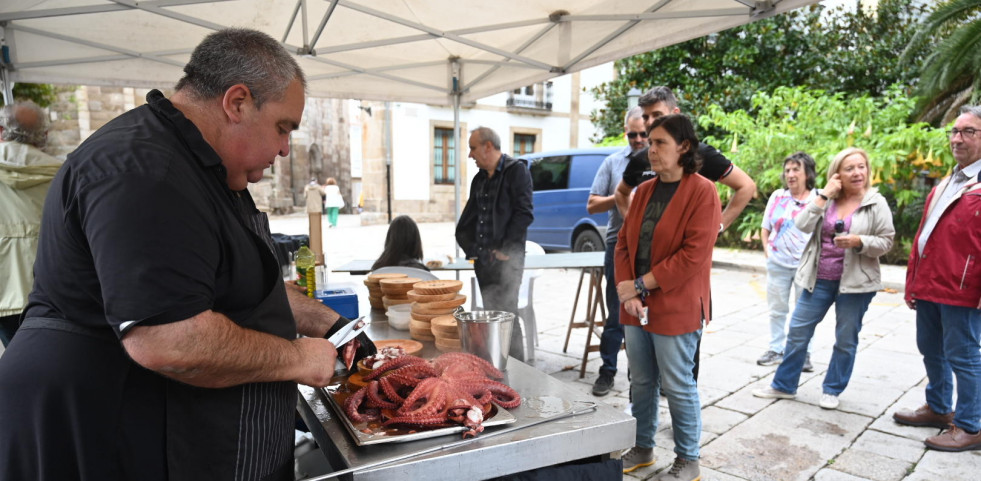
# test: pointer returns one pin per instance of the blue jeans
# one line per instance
(612, 336)
(779, 281)
(664, 363)
(948, 338)
(811, 308)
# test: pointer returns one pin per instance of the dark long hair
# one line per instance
(680, 128)
(402, 243)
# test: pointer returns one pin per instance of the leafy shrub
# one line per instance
(906, 159)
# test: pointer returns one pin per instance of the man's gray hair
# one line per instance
(486, 134)
(634, 113)
(17, 128)
(658, 94)
(240, 56)
(974, 110)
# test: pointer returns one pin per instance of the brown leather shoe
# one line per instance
(954, 439)
(923, 416)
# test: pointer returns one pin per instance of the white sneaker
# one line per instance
(770, 393)
(828, 401)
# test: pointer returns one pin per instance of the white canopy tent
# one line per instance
(427, 51)
(443, 52)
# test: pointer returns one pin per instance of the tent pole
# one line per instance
(5, 83)
(455, 71)
(388, 158)
(8, 88)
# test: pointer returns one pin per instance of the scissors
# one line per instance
(348, 332)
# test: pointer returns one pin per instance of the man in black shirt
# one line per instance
(159, 341)
(494, 225)
(660, 101)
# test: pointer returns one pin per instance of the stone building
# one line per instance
(320, 149)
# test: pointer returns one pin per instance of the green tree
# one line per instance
(42, 94)
(950, 75)
(845, 51)
(905, 157)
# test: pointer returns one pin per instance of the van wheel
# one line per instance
(588, 241)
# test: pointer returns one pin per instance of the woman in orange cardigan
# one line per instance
(663, 261)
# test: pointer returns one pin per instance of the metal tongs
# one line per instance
(348, 332)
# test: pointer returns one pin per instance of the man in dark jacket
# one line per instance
(494, 225)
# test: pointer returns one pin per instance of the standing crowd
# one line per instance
(822, 248)
(173, 350)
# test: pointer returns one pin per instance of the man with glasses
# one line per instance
(943, 285)
(601, 200)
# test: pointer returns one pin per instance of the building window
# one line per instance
(444, 156)
(523, 144)
(532, 97)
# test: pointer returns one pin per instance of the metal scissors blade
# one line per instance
(348, 332)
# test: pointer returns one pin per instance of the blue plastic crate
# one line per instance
(341, 299)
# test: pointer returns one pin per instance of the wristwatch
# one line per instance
(821, 195)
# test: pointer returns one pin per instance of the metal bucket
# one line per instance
(486, 334)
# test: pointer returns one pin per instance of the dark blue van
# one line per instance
(562, 179)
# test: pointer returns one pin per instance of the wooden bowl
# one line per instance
(417, 297)
(438, 286)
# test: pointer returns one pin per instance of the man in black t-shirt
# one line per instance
(660, 101)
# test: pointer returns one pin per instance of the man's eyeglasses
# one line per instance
(967, 133)
(633, 135)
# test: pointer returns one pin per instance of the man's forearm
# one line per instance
(743, 189)
(622, 198)
(313, 318)
(210, 350)
(739, 200)
(600, 203)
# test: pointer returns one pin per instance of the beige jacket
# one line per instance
(315, 202)
(25, 175)
(872, 221)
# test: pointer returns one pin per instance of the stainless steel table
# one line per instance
(559, 260)
(596, 434)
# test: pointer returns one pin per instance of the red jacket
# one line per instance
(681, 255)
(949, 269)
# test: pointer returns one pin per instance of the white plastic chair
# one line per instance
(526, 308)
(409, 271)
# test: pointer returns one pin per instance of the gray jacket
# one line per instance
(872, 221)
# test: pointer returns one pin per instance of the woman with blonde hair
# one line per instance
(852, 227)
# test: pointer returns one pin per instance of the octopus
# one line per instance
(452, 389)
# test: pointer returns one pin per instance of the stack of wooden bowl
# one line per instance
(432, 299)
(447, 334)
(375, 293)
(395, 290)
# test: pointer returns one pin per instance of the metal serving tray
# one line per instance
(498, 416)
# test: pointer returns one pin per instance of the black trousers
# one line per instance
(8, 326)
(499, 284)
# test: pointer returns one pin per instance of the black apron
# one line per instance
(243, 432)
(84, 410)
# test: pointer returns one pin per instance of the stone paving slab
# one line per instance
(872, 466)
(786, 441)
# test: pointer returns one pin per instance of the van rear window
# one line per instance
(550, 173)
